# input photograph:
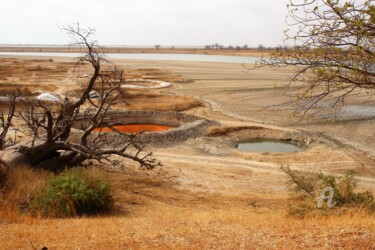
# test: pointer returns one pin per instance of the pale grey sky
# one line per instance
(146, 22)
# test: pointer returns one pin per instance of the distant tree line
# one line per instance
(217, 46)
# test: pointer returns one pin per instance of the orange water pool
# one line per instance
(135, 128)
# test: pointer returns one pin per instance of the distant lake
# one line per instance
(150, 56)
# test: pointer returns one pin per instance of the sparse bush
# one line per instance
(74, 192)
(311, 185)
(301, 182)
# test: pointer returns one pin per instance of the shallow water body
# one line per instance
(275, 146)
(150, 56)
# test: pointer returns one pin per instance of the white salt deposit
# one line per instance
(159, 84)
(48, 97)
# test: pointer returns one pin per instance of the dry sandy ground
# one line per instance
(235, 96)
(209, 180)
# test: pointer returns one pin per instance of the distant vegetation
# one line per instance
(217, 46)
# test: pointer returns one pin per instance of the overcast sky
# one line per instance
(146, 22)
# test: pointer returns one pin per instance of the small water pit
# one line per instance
(135, 128)
(269, 145)
(162, 128)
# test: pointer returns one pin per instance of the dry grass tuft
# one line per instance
(21, 185)
(165, 227)
(152, 214)
(161, 102)
(220, 131)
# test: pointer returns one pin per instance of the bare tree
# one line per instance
(54, 145)
(6, 121)
(333, 52)
(208, 47)
(157, 46)
(216, 46)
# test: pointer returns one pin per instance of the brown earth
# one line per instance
(200, 197)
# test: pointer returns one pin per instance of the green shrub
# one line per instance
(344, 194)
(74, 192)
(311, 185)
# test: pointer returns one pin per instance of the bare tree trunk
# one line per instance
(50, 146)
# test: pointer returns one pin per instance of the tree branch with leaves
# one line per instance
(333, 52)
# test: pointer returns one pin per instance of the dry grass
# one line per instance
(152, 214)
(44, 75)
(153, 100)
(141, 100)
(21, 184)
(152, 73)
(32, 71)
(27, 181)
(220, 131)
(164, 227)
